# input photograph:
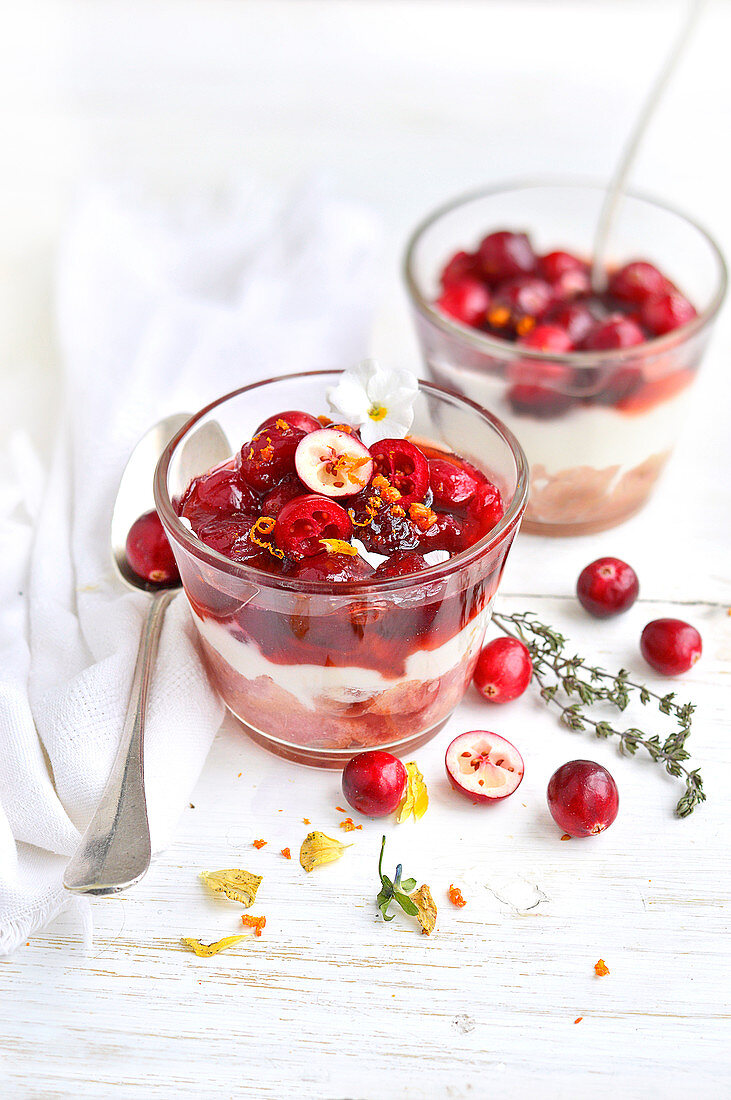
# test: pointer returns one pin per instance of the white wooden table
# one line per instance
(407, 103)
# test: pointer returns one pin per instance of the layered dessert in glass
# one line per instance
(341, 591)
(593, 380)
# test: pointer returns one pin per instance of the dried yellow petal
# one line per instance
(205, 950)
(416, 796)
(426, 905)
(235, 884)
(318, 848)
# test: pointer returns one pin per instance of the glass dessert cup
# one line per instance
(597, 443)
(318, 671)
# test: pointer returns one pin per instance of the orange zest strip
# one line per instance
(257, 923)
(601, 968)
(259, 843)
(286, 853)
(455, 896)
(349, 825)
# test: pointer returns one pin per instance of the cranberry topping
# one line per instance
(148, 551)
(519, 303)
(583, 798)
(374, 783)
(504, 254)
(665, 312)
(486, 506)
(451, 533)
(293, 418)
(333, 567)
(453, 484)
(576, 318)
(617, 331)
(404, 467)
(269, 457)
(385, 529)
(568, 275)
(503, 670)
(466, 301)
(221, 490)
(305, 521)
(462, 265)
(670, 646)
(636, 282)
(607, 587)
(402, 564)
(287, 490)
(547, 338)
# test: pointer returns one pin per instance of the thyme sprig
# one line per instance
(397, 890)
(561, 678)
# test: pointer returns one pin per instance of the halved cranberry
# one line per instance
(517, 300)
(665, 312)
(483, 766)
(617, 331)
(332, 567)
(304, 521)
(287, 490)
(637, 281)
(466, 301)
(148, 551)
(294, 418)
(404, 467)
(333, 463)
(576, 318)
(269, 457)
(504, 254)
(486, 506)
(402, 564)
(462, 265)
(547, 338)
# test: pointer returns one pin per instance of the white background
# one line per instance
(404, 104)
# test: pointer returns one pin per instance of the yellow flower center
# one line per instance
(377, 412)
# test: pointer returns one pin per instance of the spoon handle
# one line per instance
(114, 852)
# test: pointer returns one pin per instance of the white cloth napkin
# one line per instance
(160, 309)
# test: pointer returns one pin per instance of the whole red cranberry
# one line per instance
(505, 254)
(451, 533)
(462, 264)
(547, 337)
(618, 385)
(486, 506)
(269, 457)
(637, 281)
(568, 275)
(466, 301)
(148, 551)
(374, 783)
(402, 564)
(541, 402)
(335, 568)
(607, 587)
(576, 318)
(617, 331)
(518, 299)
(665, 312)
(453, 484)
(583, 798)
(670, 646)
(294, 418)
(503, 670)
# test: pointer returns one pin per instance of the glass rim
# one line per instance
(503, 349)
(242, 571)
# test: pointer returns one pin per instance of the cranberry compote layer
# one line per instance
(343, 637)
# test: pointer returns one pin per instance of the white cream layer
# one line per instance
(343, 685)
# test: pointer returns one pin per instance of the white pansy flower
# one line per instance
(376, 400)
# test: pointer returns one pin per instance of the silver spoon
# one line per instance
(626, 160)
(115, 852)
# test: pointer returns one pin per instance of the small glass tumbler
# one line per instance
(318, 672)
(598, 441)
